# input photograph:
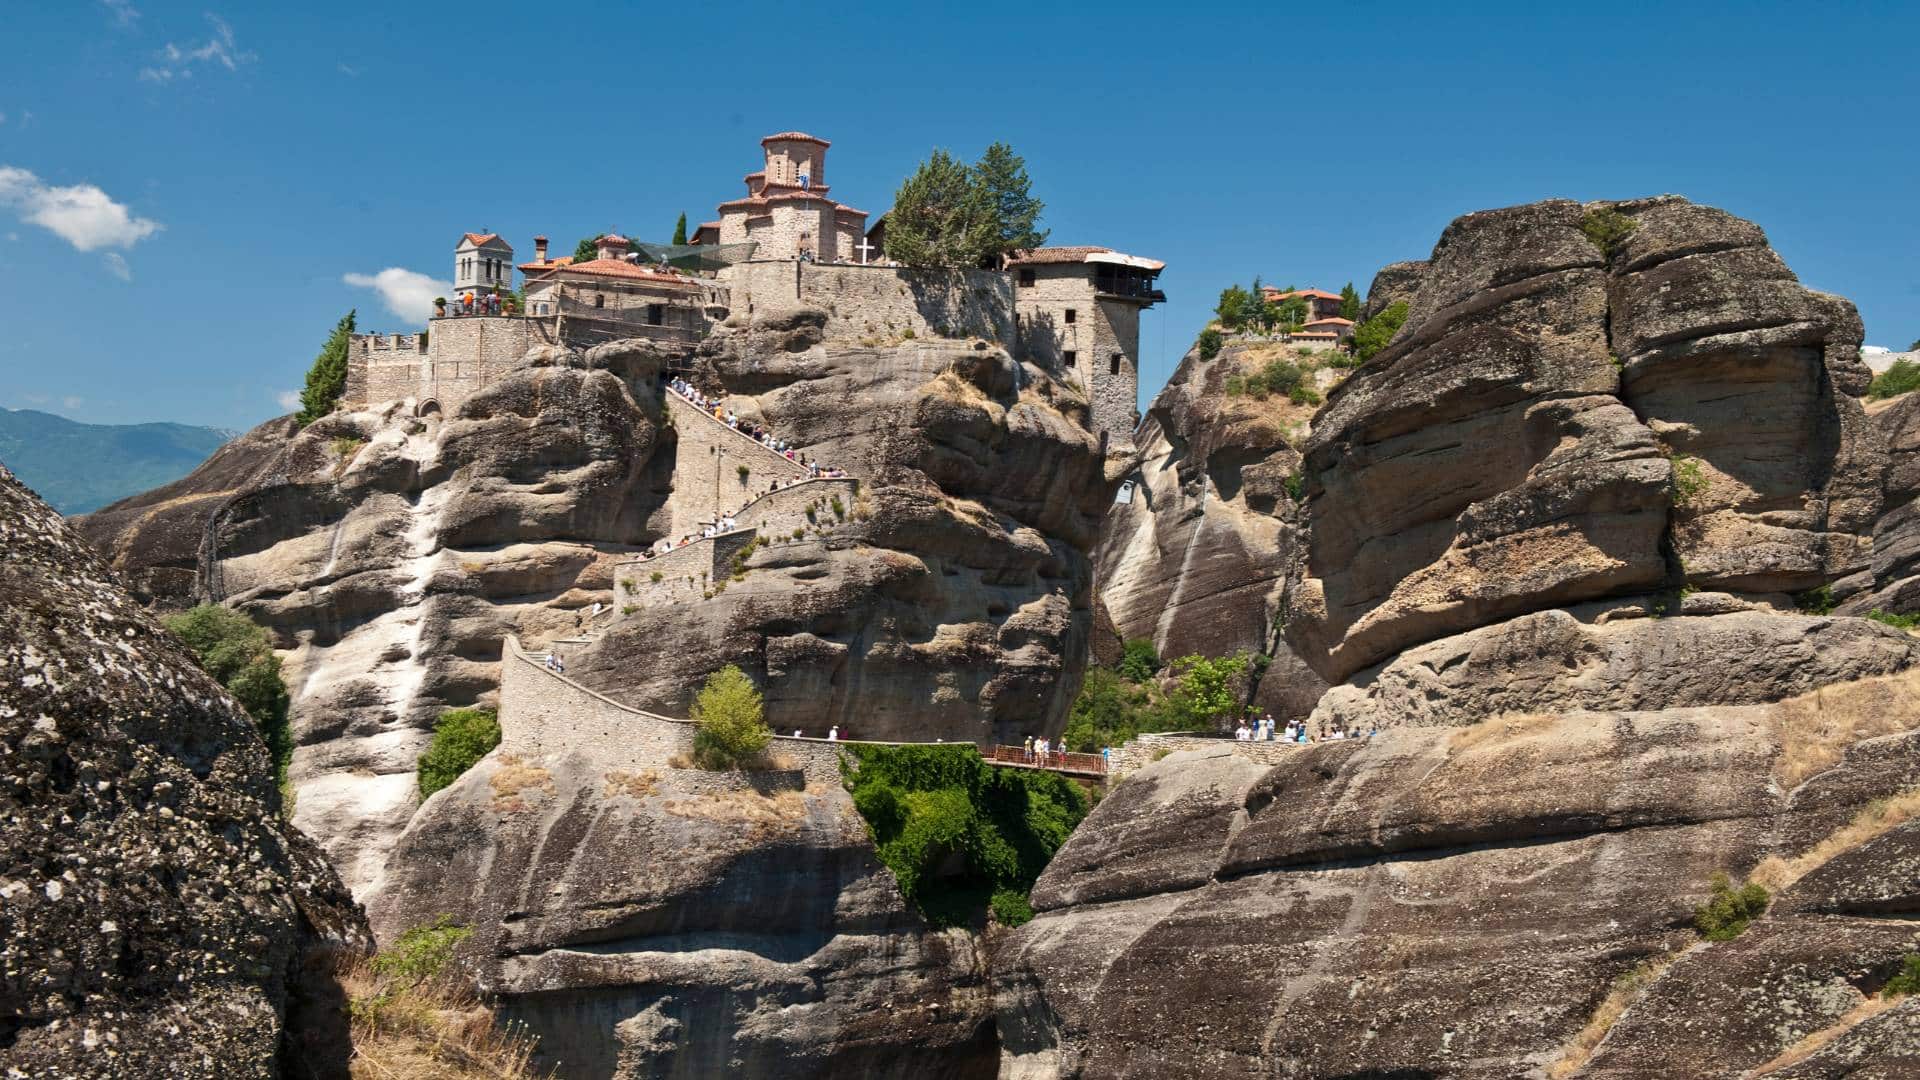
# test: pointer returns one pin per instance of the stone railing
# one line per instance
(685, 574)
(1142, 750)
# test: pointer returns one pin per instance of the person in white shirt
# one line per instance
(833, 733)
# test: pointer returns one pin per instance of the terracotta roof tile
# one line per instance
(1329, 322)
(480, 239)
(1032, 256)
(797, 135)
(1320, 294)
(618, 268)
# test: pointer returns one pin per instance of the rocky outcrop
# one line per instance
(1200, 557)
(159, 917)
(390, 554)
(1459, 903)
(1892, 582)
(676, 923)
(953, 598)
(1558, 423)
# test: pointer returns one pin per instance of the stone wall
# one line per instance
(1064, 327)
(706, 468)
(1143, 750)
(545, 713)
(882, 302)
(687, 574)
(462, 355)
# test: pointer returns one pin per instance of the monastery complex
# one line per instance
(1074, 311)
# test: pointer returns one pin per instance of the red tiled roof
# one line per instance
(800, 136)
(550, 264)
(479, 239)
(1054, 255)
(1320, 294)
(619, 268)
(1329, 322)
(1316, 335)
(845, 209)
(707, 225)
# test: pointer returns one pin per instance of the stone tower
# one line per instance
(482, 263)
(1079, 313)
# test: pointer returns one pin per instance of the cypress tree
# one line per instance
(1350, 303)
(1003, 175)
(327, 378)
(680, 231)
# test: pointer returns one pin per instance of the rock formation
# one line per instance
(1892, 582)
(1200, 558)
(952, 600)
(1557, 423)
(1553, 535)
(159, 917)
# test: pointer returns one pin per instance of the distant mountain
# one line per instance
(78, 468)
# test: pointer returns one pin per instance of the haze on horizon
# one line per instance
(190, 197)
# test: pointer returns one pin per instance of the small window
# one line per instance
(1026, 278)
(600, 300)
(1113, 365)
(1071, 314)
(653, 314)
(1067, 357)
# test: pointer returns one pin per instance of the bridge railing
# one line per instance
(1059, 761)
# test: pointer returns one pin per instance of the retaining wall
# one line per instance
(706, 467)
(881, 302)
(1140, 750)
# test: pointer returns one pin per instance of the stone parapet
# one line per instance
(1142, 750)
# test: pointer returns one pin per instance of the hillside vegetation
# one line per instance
(78, 468)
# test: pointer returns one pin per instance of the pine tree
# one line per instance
(586, 250)
(941, 217)
(680, 231)
(1002, 174)
(327, 378)
(1349, 303)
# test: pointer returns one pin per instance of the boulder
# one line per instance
(1556, 423)
(161, 919)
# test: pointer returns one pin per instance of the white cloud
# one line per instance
(82, 214)
(123, 12)
(349, 71)
(178, 63)
(118, 267)
(72, 402)
(288, 399)
(406, 293)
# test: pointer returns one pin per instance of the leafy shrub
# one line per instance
(1277, 376)
(235, 651)
(744, 472)
(1138, 660)
(1296, 485)
(1816, 601)
(1689, 480)
(1906, 980)
(839, 508)
(422, 952)
(1209, 344)
(346, 446)
(655, 577)
(1902, 377)
(733, 730)
(1112, 708)
(461, 737)
(961, 836)
(1608, 229)
(629, 609)
(1728, 911)
(1376, 333)
(627, 583)
(1899, 622)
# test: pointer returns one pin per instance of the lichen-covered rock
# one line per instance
(156, 916)
(669, 922)
(1199, 559)
(1458, 903)
(1893, 582)
(1557, 423)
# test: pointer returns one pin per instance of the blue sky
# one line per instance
(185, 188)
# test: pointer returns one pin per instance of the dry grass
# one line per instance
(515, 777)
(1499, 729)
(1805, 1048)
(633, 785)
(763, 815)
(1879, 816)
(432, 1029)
(1622, 994)
(1814, 730)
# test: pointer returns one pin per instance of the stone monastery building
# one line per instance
(1072, 310)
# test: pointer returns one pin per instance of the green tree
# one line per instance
(941, 217)
(586, 250)
(1349, 302)
(1728, 910)
(1291, 312)
(235, 651)
(1376, 333)
(1915, 347)
(680, 230)
(1109, 710)
(1902, 377)
(1206, 693)
(1209, 343)
(732, 730)
(1138, 660)
(327, 378)
(461, 737)
(1236, 307)
(1002, 176)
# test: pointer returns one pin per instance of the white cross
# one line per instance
(865, 248)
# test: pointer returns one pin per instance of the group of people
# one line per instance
(833, 733)
(708, 531)
(555, 664)
(1040, 751)
(718, 410)
(1295, 731)
(468, 303)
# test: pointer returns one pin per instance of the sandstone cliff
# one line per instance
(1552, 537)
(1200, 558)
(159, 919)
(1892, 582)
